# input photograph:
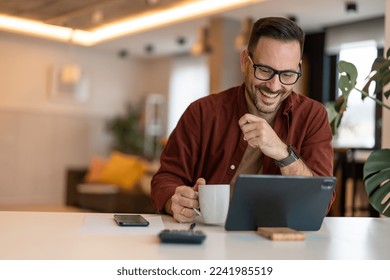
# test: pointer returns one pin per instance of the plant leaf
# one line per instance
(378, 62)
(381, 75)
(387, 93)
(334, 116)
(348, 77)
(376, 172)
(377, 160)
(380, 199)
(345, 86)
(332, 113)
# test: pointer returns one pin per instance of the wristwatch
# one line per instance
(292, 156)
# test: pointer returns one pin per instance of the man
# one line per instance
(260, 127)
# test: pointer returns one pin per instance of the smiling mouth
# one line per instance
(269, 95)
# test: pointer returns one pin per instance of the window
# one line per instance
(189, 82)
(357, 128)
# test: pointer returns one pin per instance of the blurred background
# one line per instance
(80, 80)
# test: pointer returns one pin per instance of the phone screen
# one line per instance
(130, 220)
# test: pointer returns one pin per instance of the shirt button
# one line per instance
(232, 167)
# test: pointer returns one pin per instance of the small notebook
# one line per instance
(279, 234)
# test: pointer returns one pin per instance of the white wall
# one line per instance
(41, 137)
(355, 32)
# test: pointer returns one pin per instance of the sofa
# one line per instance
(107, 197)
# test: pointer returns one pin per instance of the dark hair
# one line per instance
(277, 28)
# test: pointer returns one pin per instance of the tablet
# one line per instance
(296, 202)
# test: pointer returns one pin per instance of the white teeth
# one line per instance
(269, 95)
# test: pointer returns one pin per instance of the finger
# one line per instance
(200, 181)
(247, 118)
(186, 215)
(182, 219)
(253, 144)
(179, 201)
(243, 120)
(248, 127)
(252, 130)
(254, 134)
(186, 192)
(188, 212)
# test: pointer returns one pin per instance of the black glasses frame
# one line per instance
(274, 72)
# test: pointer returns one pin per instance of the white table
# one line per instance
(77, 236)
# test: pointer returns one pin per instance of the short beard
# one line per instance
(267, 90)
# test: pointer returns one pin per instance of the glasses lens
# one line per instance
(264, 73)
(288, 78)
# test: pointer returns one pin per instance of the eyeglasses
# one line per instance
(266, 73)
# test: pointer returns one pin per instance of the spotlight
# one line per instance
(351, 7)
(151, 2)
(123, 53)
(149, 48)
(181, 41)
(292, 18)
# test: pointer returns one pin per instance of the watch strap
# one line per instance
(292, 157)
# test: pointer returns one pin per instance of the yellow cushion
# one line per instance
(96, 167)
(123, 170)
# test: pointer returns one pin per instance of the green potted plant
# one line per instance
(127, 131)
(376, 171)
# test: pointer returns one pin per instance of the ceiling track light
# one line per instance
(149, 48)
(351, 7)
(181, 41)
(292, 18)
(152, 2)
(97, 16)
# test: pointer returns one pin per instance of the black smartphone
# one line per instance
(131, 220)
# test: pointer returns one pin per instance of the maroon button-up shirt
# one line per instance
(207, 141)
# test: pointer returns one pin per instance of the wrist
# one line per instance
(290, 158)
(283, 153)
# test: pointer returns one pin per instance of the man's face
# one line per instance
(279, 55)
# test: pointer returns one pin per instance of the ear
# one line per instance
(244, 60)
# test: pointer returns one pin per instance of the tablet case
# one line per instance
(295, 202)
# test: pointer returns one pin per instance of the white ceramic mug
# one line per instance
(214, 202)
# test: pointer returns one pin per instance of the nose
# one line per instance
(274, 83)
